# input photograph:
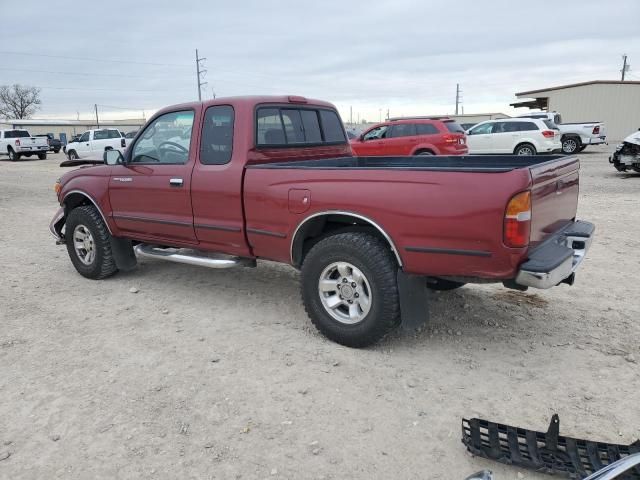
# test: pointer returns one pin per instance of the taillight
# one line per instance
(122, 143)
(17, 143)
(548, 133)
(517, 220)
(596, 130)
(450, 138)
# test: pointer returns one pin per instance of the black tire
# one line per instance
(56, 150)
(443, 285)
(525, 147)
(426, 153)
(42, 156)
(375, 260)
(28, 155)
(72, 155)
(13, 156)
(571, 145)
(103, 264)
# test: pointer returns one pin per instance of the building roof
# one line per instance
(581, 84)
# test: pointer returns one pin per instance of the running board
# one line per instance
(191, 257)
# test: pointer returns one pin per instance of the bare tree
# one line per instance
(18, 101)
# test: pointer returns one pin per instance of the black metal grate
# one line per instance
(543, 452)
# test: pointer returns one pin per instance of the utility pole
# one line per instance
(457, 97)
(97, 120)
(388, 115)
(625, 67)
(200, 75)
(351, 115)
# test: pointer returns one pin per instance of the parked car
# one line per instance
(518, 136)
(627, 154)
(18, 143)
(93, 143)
(412, 136)
(575, 137)
(54, 144)
(274, 178)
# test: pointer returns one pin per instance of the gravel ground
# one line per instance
(219, 375)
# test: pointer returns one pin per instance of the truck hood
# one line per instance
(633, 138)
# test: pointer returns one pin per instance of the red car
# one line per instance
(274, 178)
(412, 136)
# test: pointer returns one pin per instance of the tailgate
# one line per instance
(554, 196)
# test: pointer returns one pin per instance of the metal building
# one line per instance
(615, 103)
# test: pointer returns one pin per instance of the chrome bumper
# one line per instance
(55, 227)
(557, 259)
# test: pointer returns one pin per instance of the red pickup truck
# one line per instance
(224, 182)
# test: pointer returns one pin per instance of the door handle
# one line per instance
(175, 182)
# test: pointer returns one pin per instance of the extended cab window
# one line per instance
(100, 134)
(216, 145)
(84, 137)
(166, 140)
(297, 126)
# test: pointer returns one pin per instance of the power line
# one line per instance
(86, 74)
(90, 59)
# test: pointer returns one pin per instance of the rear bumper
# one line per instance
(594, 141)
(33, 149)
(556, 260)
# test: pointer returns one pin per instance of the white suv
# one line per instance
(514, 135)
(93, 143)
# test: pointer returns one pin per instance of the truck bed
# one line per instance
(464, 163)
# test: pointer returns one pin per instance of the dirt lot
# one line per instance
(219, 375)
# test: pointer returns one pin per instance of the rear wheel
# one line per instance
(570, 145)
(72, 155)
(425, 152)
(443, 285)
(42, 156)
(56, 150)
(349, 288)
(525, 149)
(89, 243)
(13, 156)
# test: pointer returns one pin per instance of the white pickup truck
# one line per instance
(575, 137)
(18, 143)
(93, 143)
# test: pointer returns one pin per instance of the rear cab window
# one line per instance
(16, 134)
(281, 126)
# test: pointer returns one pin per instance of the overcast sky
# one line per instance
(404, 55)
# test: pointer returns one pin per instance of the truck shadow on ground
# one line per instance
(270, 294)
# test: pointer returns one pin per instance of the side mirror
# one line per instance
(113, 157)
(361, 137)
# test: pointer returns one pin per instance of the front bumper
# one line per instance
(556, 260)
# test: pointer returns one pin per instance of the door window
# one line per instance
(403, 130)
(376, 133)
(84, 137)
(166, 140)
(216, 145)
(481, 129)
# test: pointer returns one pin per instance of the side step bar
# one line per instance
(191, 257)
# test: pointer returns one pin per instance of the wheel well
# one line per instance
(74, 200)
(571, 135)
(108, 148)
(314, 229)
(420, 150)
(523, 143)
(9, 149)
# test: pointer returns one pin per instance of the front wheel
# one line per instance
(349, 288)
(89, 243)
(72, 155)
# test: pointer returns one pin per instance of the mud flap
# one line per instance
(414, 301)
(122, 250)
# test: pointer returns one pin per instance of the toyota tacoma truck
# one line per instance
(18, 143)
(225, 182)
